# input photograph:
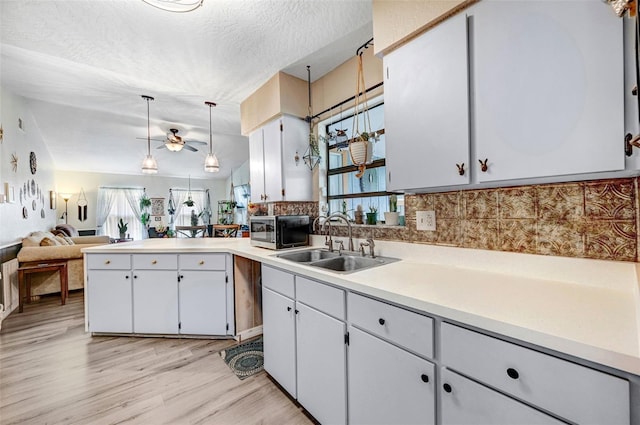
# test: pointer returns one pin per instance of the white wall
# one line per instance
(156, 187)
(13, 227)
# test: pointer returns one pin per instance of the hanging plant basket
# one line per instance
(360, 147)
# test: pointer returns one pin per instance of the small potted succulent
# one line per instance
(122, 228)
(391, 217)
(372, 215)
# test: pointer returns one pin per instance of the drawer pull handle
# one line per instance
(447, 388)
(424, 378)
(288, 308)
(381, 321)
(126, 277)
(201, 262)
(296, 311)
(513, 374)
(135, 276)
(108, 262)
(154, 262)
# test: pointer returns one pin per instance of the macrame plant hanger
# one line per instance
(82, 206)
(360, 147)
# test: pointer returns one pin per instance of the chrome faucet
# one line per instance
(370, 244)
(346, 220)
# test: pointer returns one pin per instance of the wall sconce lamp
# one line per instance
(65, 214)
(52, 199)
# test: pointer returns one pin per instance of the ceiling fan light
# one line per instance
(174, 147)
(211, 164)
(149, 165)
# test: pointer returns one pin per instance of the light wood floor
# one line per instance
(52, 372)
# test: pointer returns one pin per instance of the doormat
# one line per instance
(245, 359)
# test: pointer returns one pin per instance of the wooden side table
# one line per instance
(24, 280)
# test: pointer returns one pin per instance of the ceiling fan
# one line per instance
(176, 143)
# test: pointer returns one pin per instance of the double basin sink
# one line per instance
(341, 262)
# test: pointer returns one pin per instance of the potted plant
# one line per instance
(391, 217)
(360, 148)
(122, 228)
(372, 215)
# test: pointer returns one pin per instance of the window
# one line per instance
(345, 192)
(115, 204)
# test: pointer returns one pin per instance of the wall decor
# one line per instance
(1, 134)
(14, 162)
(33, 162)
(82, 206)
(157, 206)
(52, 199)
(10, 193)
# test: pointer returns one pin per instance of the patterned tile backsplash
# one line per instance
(593, 219)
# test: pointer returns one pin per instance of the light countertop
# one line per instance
(589, 309)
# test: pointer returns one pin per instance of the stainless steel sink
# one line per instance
(345, 262)
(308, 256)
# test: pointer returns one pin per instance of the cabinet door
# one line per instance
(155, 301)
(549, 88)
(427, 109)
(466, 402)
(279, 339)
(322, 374)
(203, 302)
(296, 177)
(256, 165)
(387, 384)
(109, 301)
(273, 161)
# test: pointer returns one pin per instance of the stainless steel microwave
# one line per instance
(279, 231)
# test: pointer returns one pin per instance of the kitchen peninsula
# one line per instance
(576, 313)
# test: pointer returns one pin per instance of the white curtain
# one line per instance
(121, 209)
(133, 199)
(106, 197)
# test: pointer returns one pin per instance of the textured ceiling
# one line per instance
(83, 65)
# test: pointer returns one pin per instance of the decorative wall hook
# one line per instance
(483, 165)
(460, 169)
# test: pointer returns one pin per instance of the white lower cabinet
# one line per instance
(155, 301)
(388, 385)
(322, 374)
(304, 342)
(202, 302)
(465, 402)
(161, 293)
(573, 392)
(109, 301)
(279, 332)
(108, 292)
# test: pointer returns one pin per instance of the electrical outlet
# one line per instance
(426, 220)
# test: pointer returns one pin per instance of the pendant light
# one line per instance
(149, 165)
(312, 155)
(211, 164)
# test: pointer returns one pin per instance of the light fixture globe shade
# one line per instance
(174, 146)
(149, 165)
(211, 164)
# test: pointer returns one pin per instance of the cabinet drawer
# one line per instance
(408, 329)
(465, 402)
(577, 393)
(202, 261)
(155, 261)
(322, 297)
(109, 261)
(278, 281)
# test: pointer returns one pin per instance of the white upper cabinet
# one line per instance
(548, 87)
(274, 174)
(427, 110)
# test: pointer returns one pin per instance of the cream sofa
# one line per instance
(56, 248)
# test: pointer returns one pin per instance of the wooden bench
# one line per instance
(24, 280)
